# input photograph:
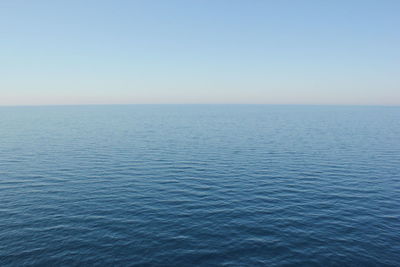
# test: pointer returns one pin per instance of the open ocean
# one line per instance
(200, 185)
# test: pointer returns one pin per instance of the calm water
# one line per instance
(200, 185)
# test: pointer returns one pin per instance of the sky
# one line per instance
(340, 52)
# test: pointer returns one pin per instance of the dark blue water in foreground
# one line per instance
(203, 185)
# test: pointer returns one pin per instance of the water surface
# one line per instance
(204, 185)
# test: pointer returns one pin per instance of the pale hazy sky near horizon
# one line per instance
(215, 51)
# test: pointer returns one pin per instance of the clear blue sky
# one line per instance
(196, 51)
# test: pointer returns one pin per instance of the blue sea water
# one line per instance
(200, 185)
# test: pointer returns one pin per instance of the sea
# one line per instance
(200, 185)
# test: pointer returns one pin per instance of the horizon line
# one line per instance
(199, 104)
